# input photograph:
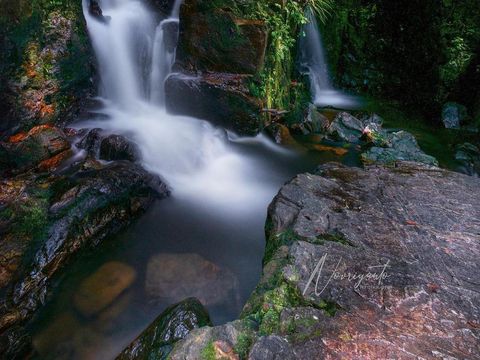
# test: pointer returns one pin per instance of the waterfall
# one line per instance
(199, 161)
(314, 57)
(313, 61)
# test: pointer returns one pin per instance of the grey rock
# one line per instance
(418, 225)
(346, 127)
(271, 348)
(402, 146)
(453, 115)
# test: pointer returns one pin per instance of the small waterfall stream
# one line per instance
(313, 62)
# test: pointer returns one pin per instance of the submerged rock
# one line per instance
(401, 146)
(174, 277)
(453, 115)
(174, 324)
(103, 287)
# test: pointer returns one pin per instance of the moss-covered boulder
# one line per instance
(213, 39)
(174, 324)
(46, 62)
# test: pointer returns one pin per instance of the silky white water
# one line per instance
(314, 62)
(195, 158)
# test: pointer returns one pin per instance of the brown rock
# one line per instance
(103, 287)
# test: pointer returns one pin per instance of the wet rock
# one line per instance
(203, 43)
(117, 147)
(315, 122)
(103, 287)
(401, 146)
(221, 98)
(24, 151)
(469, 156)
(91, 142)
(453, 115)
(170, 36)
(420, 299)
(174, 277)
(174, 324)
(346, 127)
(96, 11)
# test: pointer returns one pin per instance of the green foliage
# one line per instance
(243, 345)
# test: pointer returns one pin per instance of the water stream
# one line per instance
(221, 187)
(313, 61)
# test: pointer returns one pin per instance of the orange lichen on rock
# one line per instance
(54, 162)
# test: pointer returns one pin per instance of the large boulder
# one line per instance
(453, 115)
(174, 324)
(48, 66)
(395, 276)
(220, 98)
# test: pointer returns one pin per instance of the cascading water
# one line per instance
(175, 147)
(313, 61)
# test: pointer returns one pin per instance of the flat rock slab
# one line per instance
(395, 250)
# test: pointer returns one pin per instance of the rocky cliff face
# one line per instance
(217, 55)
(376, 263)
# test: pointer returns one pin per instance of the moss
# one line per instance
(208, 352)
(244, 343)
